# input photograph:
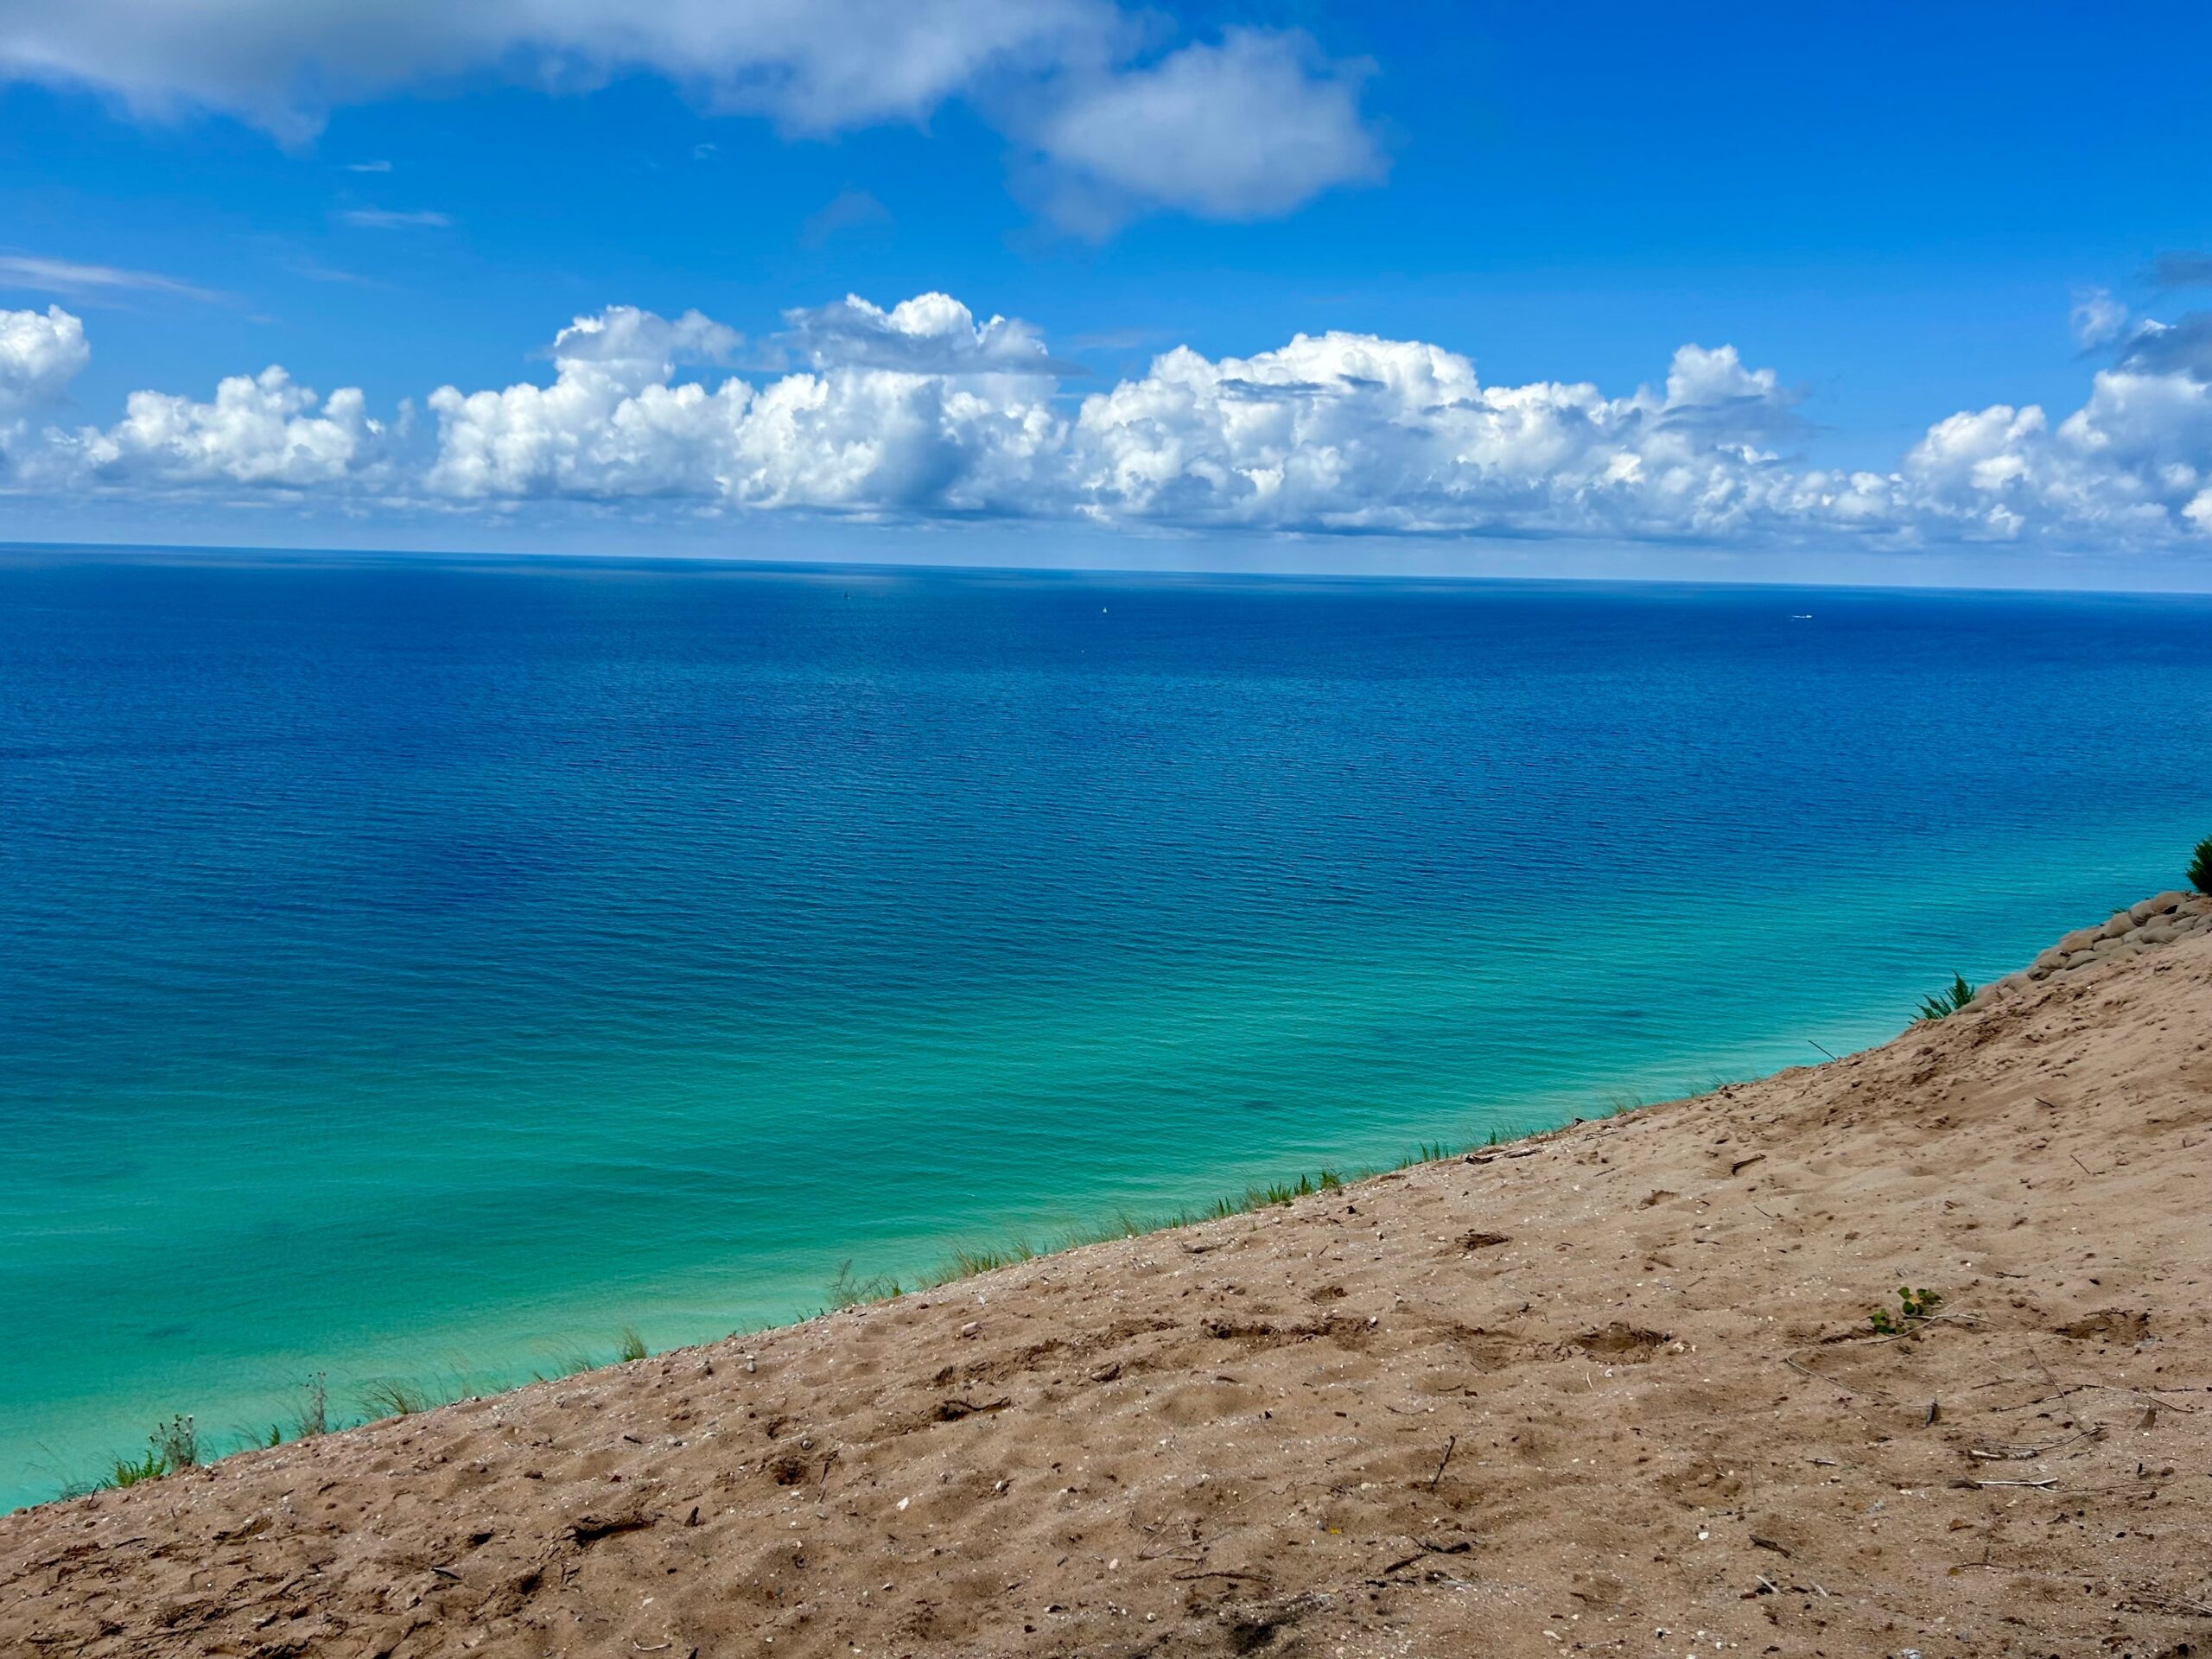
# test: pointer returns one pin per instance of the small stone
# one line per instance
(971, 1329)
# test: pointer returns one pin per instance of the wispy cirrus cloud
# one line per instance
(91, 283)
(386, 218)
(849, 210)
(2097, 318)
(316, 272)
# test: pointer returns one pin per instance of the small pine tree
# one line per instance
(2200, 866)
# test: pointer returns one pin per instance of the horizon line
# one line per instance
(10, 548)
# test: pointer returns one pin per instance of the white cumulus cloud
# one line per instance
(930, 333)
(2132, 465)
(41, 352)
(1343, 431)
(260, 431)
(955, 429)
(1246, 129)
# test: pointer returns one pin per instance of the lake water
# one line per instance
(421, 970)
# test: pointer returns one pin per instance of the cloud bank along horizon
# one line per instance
(921, 411)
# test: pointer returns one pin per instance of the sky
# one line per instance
(1899, 293)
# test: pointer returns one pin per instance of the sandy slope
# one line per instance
(1644, 1342)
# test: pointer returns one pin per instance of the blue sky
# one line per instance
(1895, 217)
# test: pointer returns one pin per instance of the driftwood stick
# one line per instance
(2072, 1422)
(1448, 1445)
(2021, 1453)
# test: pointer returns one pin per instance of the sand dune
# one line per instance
(1614, 1390)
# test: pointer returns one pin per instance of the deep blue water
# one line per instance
(421, 970)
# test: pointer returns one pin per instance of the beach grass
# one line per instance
(313, 1416)
(846, 1291)
(1949, 1000)
(395, 1398)
(570, 1363)
(173, 1448)
(129, 1471)
(176, 1443)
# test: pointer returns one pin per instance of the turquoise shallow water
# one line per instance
(421, 970)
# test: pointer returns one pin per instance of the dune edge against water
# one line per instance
(1621, 1379)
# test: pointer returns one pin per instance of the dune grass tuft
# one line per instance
(968, 1260)
(395, 1399)
(1275, 1192)
(846, 1291)
(1949, 1000)
(633, 1346)
(176, 1445)
(313, 1417)
(130, 1472)
(570, 1363)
